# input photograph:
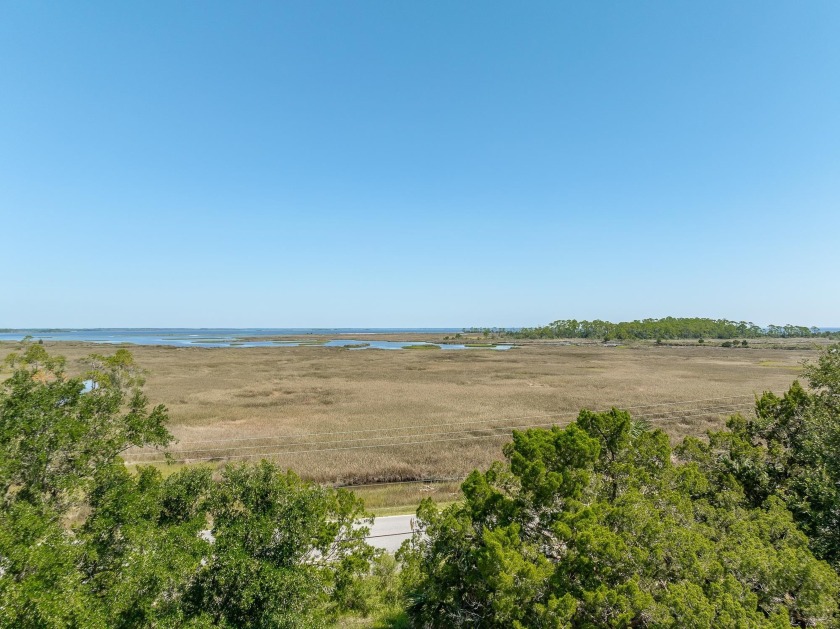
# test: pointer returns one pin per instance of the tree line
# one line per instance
(602, 523)
(671, 328)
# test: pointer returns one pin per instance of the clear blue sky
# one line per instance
(418, 163)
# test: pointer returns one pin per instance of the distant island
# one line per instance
(666, 328)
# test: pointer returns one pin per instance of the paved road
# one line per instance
(389, 532)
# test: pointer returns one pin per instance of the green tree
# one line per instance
(54, 437)
(55, 441)
(595, 525)
(668, 327)
(143, 543)
(283, 551)
(40, 584)
(788, 449)
(84, 542)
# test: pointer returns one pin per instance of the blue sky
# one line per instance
(418, 163)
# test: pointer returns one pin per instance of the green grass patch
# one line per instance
(167, 469)
(409, 509)
(400, 499)
(421, 347)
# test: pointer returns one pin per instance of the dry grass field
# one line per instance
(343, 416)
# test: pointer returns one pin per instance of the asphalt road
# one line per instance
(389, 532)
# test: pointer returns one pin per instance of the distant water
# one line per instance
(235, 337)
(222, 337)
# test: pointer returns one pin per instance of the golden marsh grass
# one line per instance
(346, 416)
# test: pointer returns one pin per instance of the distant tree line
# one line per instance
(666, 328)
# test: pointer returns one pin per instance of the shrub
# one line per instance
(253, 547)
(597, 524)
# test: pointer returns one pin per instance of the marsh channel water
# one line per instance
(250, 337)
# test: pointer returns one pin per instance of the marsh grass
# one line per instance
(341, 417)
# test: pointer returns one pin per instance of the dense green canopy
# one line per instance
(789, 449)
(665, 328)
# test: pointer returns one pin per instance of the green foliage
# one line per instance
(54, 437)
(377, 594)
(40, 584)
(788, 449)
(141, 543)
(86, 543)
(667, 328)
(595, 525)
(283, 550)
(56, 443)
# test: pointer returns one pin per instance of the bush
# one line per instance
(596, 524)
(251, 547)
